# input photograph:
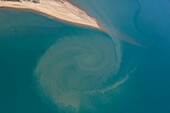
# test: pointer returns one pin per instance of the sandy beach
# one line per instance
(64, 11)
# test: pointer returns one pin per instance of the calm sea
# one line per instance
(47, 66)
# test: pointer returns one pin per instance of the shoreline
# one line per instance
(66, 12)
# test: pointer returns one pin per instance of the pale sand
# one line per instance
(64, 11)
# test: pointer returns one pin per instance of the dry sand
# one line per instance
(64, 11)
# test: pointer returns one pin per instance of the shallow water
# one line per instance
(47, 66)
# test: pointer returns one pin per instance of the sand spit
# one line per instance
(62, 10)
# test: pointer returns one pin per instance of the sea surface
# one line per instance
(47, 66)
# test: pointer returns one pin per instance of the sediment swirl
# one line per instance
(76, 65)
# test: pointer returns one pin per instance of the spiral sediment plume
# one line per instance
(76, 65)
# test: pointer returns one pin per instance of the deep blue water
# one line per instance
(47, 66)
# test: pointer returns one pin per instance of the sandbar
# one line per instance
(62, 10)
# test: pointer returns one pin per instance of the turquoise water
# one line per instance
(47, 66)
(147, 23)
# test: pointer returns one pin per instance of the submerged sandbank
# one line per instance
(64, 11)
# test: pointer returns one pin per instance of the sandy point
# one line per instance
(58, 9)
